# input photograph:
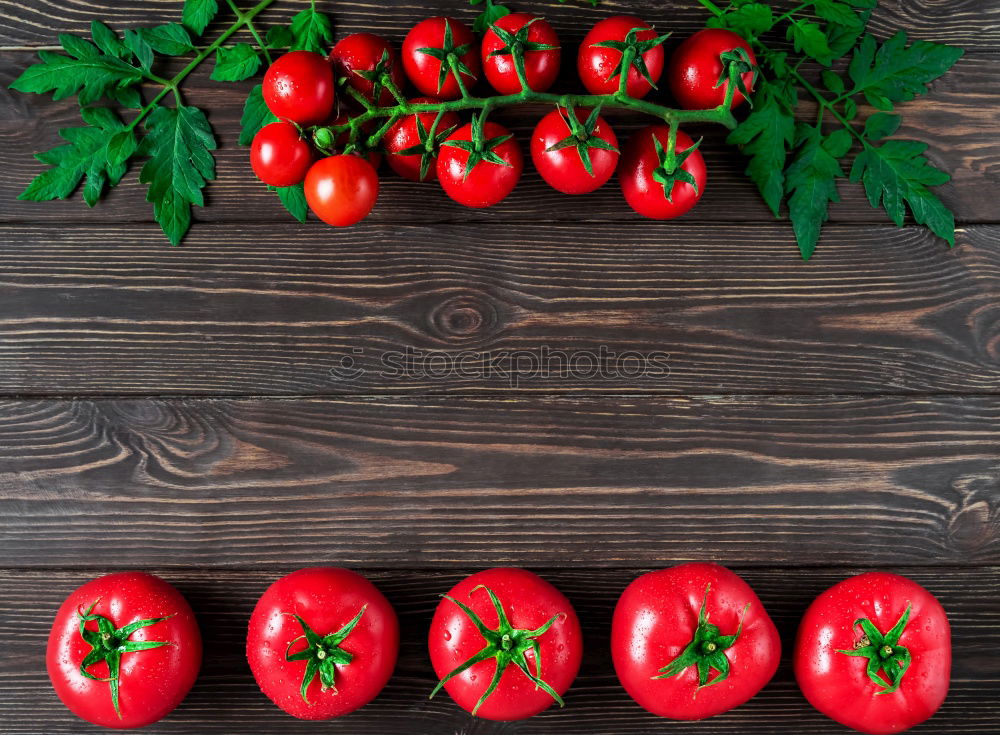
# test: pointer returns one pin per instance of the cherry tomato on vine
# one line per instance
(279, 156)
(124, 650)
(575, 155)
(361, 59)
(524, 634)
(602, 52)
(699, 69)
(322, 642)
(645, 179)
(479, 164)
(407, 138)
(374, 157)
(341, 190)
(873, 652)
(299, 87)
(692, 641)
(426, 51)
(541, 53)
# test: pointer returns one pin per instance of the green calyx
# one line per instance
(581, 136)
(508, 645)
(109, 644)
(430, 142)
(883, 652)
(450, 57)
(516, 45)
(322, 654)
(706, 651)
(670, 171)
(381, 78)
(735, 64)
(632, 50)
(480, 148)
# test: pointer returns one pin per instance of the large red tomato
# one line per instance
(874, 653)
(124, 650)
(505, 644)
(541, 49)
(361, 59)
(426, 50)
(601, 56)
(575, 151)
(322, 642)
(479, 174)
(341, 190)
(411, 147)
(692, 641)
(698, 71)
(646, 182)
(279, 156)
(299, 87)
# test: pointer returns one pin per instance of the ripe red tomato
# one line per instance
(360, 59)
(341, 190)
(642, 174)
(697, 75)
(541, 58)
(299, 87)
(526, 657)
(406, 142)
(279, 156)
(479, 175)
(426, 49)
(124, 650)
(322, 642)
(874, 653)
(601, 55)
(562, 153)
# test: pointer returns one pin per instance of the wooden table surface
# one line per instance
(181, 409)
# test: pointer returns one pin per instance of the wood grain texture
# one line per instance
(226, 699)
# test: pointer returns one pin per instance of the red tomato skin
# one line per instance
(279, 156)
(362, 52)
(837, 684)
(327, 598)
(695, 68)
(540, 67)
(422, 69)
(594, 65)
(152, 682)
(655, 619)
(563, 170)
(403, 134)
(529, 602)
(635, 172)
(487, 183)
(299, 87)
(341, 190)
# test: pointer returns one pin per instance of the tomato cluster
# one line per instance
(478, 163)
(687, 642)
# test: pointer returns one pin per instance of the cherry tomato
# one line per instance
(696, 68)
(641, 165)
(541, 64)
(322, 642)
(373, 156)
(134, 629)
(299, 87)
(599, 66)
(692, 641)
(488, 182)
(363, 52)
(438, 37)
(279, 156)
(874, 653)
(341, 190)
(410, 133)
(538, 620)
(563, 168)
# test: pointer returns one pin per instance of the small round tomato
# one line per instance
(299, 87)
(692, 641)
(341, 190)
(479, 174)
(599, 62)
(360, 59)
(522, 636)
(279, 156)
(541, 49)
(699, 69)
(124, 650)
(373, 156)
(873, 652)
(322, 642)
(575, 155)
(645, 180)
(433, 48)
(412, 148)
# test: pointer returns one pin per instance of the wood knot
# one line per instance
(466, 317)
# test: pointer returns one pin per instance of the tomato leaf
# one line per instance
(87, 71)
(895, 72)
(811, 184)
(809, 39)
(171, 39)
(311, 31)
(294, 200)
(748, 20)
(255, 115)
(236, 63)
(197, 14)
(490, 15)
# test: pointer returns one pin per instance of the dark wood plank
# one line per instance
(226, 699)
(573, 482)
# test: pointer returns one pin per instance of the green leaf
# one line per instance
(255, 115)
(235, 64)
(838, 12)
(748, 20)
(896, 173)
(279, 37)
(120, 147)
(490, 15)
(198, 14)
(811, 184)
(881, 125)
(64, 76)
(294, 199)
(107, 40)
(833, 81)
(810, 40)
(171, 39)
(312, 31)
(140, 48)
